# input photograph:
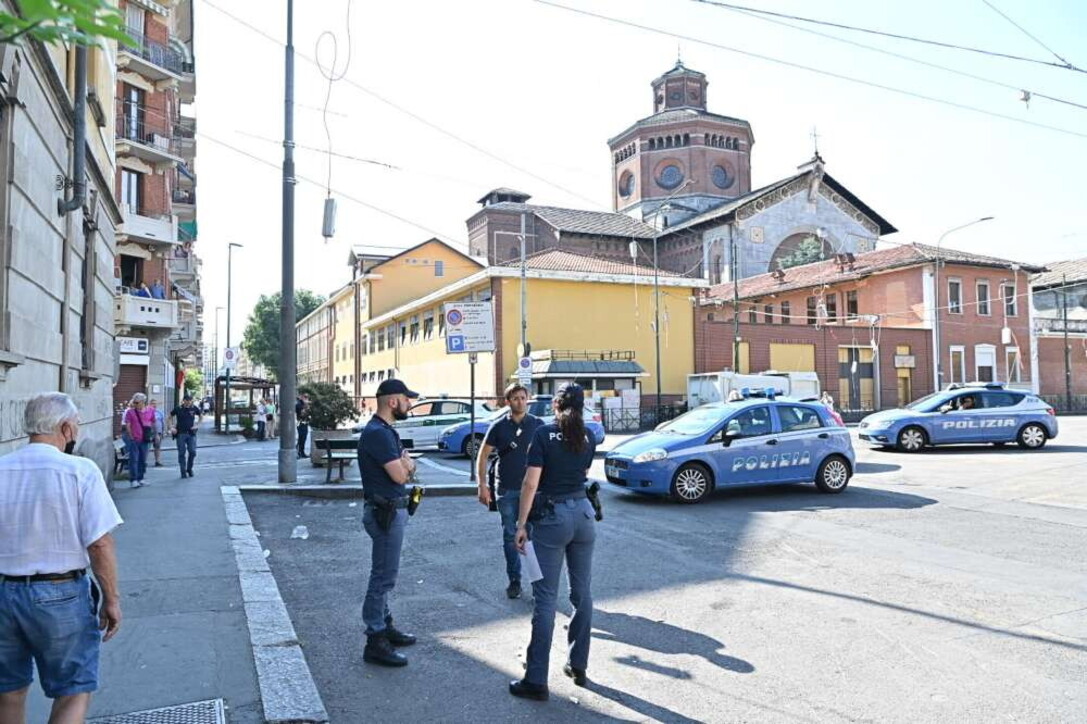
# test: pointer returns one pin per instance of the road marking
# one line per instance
(438, 466)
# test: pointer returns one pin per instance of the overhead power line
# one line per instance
(811, 69)
(909, 58)
(940, 44)
(1026, 32)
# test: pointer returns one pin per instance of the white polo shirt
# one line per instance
(52, 506)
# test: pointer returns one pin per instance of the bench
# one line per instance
(341, 450)
(120, 456)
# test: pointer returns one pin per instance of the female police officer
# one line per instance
(562, 526)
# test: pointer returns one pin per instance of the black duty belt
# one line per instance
(563, 498)
(400, 501)
(40, 577)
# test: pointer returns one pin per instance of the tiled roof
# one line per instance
(567, 261)
(676, 115)
(829, 272)
(1060, 272)
(578, 221)
(680, 69)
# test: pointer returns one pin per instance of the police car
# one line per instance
(759, 440)
(982, 412)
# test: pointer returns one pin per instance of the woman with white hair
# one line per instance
(138, 432)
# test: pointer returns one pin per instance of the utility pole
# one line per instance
(657, 321)
(734, 265)
(229, 285)
(288, 343)
(524, 291)
(1067, 346)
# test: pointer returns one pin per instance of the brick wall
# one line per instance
(1051, 367)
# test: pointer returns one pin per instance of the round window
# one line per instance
(670, 177)
(626, 184)
(722, 179)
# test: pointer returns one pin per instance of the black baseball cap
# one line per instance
(571, 395)
(395, 387)
(187, 397)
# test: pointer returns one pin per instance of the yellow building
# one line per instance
(343, 323)
(588, 319)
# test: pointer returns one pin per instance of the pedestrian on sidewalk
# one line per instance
(138, 432)
(262, 419)
(160, 430)
(270, 409)
(184, 421)
(301, 414)
(508, 439)
(554, 498)
(386, 468)
(56, 518)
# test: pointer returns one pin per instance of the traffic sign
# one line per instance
(524, 371)
(230, 358)
(469, 327)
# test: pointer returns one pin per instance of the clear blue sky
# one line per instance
(543, 89)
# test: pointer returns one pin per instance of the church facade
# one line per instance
(681, 178)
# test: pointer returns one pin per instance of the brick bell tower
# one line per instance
(681, 143)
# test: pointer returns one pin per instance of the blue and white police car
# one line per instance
(759, 440)
(982, 412)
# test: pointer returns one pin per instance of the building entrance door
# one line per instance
(856, 378)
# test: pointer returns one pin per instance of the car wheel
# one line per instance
(1032, 436)
(691, 483)
(912, 439)
(833, 475)
(471, 444)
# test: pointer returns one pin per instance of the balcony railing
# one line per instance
(185, 127)
(154, 53)
(1057, 326)
(133, 311)
(148, 128)
(162, 229)
(184, 196)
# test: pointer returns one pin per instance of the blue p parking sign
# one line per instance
(454, 343)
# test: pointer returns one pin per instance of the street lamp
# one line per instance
(936, 302)
(287, 463)
(229, 282)
(657, 290)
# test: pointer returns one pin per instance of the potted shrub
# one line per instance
(330, 407)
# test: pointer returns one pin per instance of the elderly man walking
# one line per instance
(56, 518)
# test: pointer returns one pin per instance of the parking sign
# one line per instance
(469, 327)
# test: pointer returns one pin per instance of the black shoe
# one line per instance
(578, 675)
(513, 590)
(396, 636)
(158, 465)
(526, 690)
(189, 471)
(184, 475)
(380, 651)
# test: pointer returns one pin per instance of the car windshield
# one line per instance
(928, 402)
(695, 422)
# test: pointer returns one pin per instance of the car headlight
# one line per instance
(650, 456)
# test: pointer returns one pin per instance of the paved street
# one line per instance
(945, 586)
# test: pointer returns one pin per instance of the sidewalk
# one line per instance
(184, 636)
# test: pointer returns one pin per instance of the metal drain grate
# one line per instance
(198, 712)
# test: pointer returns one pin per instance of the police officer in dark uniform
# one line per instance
(508, 439)
(554, 503)
(386, 468)
(184, 422)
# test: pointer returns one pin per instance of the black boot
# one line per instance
(379, 651)
(396, 636)
(578, 675)
(526, 690)
(514, 589)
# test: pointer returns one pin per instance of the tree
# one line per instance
(261, 338)
(194, 382)
(69, 21)
(329, 405)
(808, 251)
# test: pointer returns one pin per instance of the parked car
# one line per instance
(984, 412)
(759, 440)
(455, 439)
(427, 418)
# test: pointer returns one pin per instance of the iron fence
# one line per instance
(155, 53)
(639, 419)
(137, 123)
(1068, 405)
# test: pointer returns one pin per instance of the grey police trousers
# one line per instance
(567, 533)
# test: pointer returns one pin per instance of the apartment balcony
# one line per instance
(131, 311)
(147, 135)
(156, 62)
(184, 267)
(161, 229)
(184, 204)
(187, 88)
(185, 134)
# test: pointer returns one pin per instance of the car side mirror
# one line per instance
(729, 436)
(946, 409)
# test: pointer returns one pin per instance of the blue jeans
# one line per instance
(568, 533)
(55, 625)
(384, 567)
(508, 504)
(260, 429)
(186, 450)
(137, 459)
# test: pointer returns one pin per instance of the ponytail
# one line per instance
(572, 427)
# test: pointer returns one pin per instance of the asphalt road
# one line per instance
(945, 586)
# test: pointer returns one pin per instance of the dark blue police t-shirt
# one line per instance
(563, 469)
(379, 443)
(186, 417)
(511, 440)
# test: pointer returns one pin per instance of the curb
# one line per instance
(287, 691)
(339, 490)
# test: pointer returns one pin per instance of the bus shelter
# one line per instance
(245, 393)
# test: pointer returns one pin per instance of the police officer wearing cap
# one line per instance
(386, 469)
(556, 514)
